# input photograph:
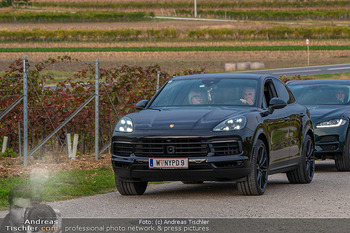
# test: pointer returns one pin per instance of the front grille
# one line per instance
(171, 147)
(328, 138)
(177, 147)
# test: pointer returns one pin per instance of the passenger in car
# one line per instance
(248, 96)
(340, 95)
(197, 97)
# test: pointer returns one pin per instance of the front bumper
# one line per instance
(213, 157)
(200, 169)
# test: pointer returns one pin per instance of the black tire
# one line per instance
(256, 181)
(192, 182)
(305, 172)
(342, 161)
(130, 188)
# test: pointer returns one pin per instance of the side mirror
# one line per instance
(276, 103)
(141, 104)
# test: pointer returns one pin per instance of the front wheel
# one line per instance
(342, 161)
(256, 182)
(305, 172)
(130, 188)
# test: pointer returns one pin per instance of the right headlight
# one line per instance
(233, 123)
(331, 123)
(125, 125)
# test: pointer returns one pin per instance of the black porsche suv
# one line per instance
(215, 127)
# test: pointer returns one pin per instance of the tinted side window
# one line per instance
(283, 92)
(269, 93)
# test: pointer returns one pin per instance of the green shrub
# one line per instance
(80, 16)
(8, 153)
(5, 3)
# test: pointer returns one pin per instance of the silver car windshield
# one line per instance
(213, 92)
(321, 94)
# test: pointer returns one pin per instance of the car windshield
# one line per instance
(321, 94)
(213, 92)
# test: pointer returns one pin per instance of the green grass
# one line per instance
(5, 186)
(331, 76)
(65, 184)
(175, 49)
(327, 76)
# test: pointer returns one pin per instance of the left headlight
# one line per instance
(234, 123)
(331, 123)
(125, 125)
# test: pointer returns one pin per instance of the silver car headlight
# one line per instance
(234, 123)
(331, 123)
(125, 125)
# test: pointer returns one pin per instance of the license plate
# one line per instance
(165, 163)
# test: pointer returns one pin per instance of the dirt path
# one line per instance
(10, 167)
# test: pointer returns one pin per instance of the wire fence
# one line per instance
(41, 105)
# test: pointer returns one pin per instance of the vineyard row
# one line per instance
(80, 16)
(189, 4)
(107, 16)
(175, 49)
(278, 32)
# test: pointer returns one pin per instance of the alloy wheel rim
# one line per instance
(310, 160)
(262, 168)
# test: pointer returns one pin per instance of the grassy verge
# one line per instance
(5, 186)
(343, 75)
(65, 184)
(175, 49)
(333, 76)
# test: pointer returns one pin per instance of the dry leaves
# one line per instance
(14, 167)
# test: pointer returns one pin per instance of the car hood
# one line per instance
(325, 112)
(184, 118)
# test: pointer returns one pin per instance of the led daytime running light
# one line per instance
(125, 125)
(331, 123)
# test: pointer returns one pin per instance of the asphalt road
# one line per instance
(326, 197)
(307, 70)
